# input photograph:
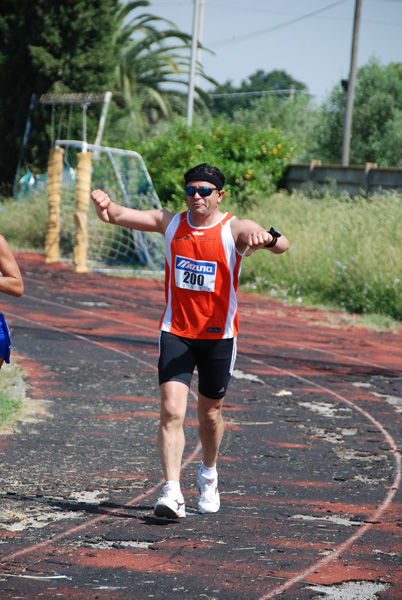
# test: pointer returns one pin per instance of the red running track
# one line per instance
(310, 472)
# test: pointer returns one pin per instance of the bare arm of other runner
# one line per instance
(250, 236)
(11, 281)
(142, 220)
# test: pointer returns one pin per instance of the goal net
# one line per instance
(123, 175)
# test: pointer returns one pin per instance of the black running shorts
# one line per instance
(214, 360)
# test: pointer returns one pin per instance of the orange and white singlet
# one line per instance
(202, 268)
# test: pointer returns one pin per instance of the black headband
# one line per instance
(202, 176)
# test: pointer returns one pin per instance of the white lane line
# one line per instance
(324, 562)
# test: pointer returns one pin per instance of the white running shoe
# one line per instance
(208, 497)
(170, 506)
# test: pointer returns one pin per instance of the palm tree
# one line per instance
(151, 78)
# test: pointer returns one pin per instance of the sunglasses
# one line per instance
(203, 191)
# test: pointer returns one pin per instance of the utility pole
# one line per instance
(200, 33)
(347, 128)
(193, 64)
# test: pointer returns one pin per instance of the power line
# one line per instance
(276, 27)
(261, 92)
(283, 12)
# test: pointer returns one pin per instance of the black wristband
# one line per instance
(275, 235)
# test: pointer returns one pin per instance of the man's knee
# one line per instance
(171, 413)
(173, 403)
(210, 416)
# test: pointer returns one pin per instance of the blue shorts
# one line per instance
(5, 341)
(214, 360)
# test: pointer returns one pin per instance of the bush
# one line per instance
(295, 119)
(377, 116)
(343, 252)
(23, 221)
(253, 160)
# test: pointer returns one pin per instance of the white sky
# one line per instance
(246, 35)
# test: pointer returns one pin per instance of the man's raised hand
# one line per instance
(258, 239)
(102, 203)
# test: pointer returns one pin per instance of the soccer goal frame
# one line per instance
(148, 247)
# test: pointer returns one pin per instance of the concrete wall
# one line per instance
(360, 179)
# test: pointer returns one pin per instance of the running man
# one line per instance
(10, 283)
(203, 252)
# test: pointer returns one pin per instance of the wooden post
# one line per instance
(54, 170)
(83, 192)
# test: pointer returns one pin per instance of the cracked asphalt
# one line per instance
(310, 466)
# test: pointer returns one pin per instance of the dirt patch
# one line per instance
(13, 383)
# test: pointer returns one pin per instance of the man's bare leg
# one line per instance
(171, 438)
(211, 434)
(171, 446)
(211, 428)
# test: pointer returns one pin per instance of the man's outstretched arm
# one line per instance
(142, 220)
(11, 281)
(249, 237)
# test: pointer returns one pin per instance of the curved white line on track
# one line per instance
(90, 312)
(324, 562)
(299, 326)
(83, 526)
(85, 339)
(362, 361)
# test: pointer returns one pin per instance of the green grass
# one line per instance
(344, 253)
(12, 392)
(23, 221)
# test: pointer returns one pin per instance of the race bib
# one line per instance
(197, 275)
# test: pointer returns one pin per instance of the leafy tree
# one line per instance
(153, 55)
(253, 161)
(275, 80)
(80, 46)
(376, 121)
(260, 81)
(48, 45)
(293, 117)
(392, 141)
